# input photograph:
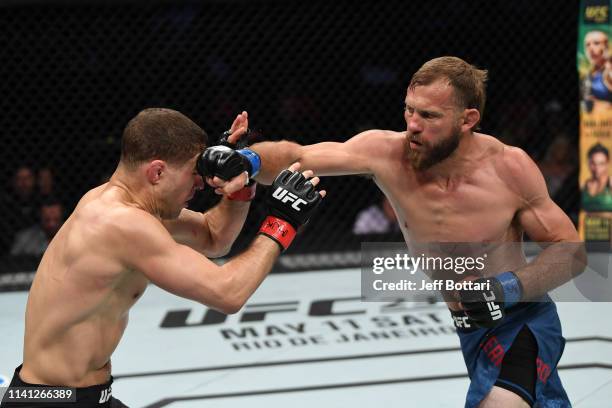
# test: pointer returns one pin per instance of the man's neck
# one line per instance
(457, 165)
(135, 192)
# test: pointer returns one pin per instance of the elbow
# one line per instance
(230, 308)
(231, 304)
(229, 299)
(218, 246)
(580, 259)
(219, 251)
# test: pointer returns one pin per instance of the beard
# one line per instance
(429, 156)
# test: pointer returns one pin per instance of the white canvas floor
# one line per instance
(305, 340)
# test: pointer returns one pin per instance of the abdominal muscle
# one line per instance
(79, 357)
(76, 314)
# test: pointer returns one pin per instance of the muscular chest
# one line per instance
(476, 208)
(131, 287)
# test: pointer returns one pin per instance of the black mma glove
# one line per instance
(228, 160)
(223, 162)
(487, 307)
(242, 143)
(291, 201)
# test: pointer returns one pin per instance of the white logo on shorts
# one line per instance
(106, 395)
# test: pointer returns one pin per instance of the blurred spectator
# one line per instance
(558, 163)
(46, 183)
(21, 203)
(34, 240)
(376, 219)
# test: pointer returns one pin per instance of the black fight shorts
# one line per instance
(96, 396)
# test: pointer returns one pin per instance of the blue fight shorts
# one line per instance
(484, 351)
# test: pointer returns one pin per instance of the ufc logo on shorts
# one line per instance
(105, 395)
(496, 314)
(285, 196)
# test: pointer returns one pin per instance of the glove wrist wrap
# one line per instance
(247, 193)
(280, 231)
(253, 159)
(513, 289)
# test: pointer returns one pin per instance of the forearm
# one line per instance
(225, 221)
(275, 157)
(557, 264)
(249, 269)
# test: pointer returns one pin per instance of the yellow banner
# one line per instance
(595, 73)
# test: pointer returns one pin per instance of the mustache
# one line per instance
(414, 138)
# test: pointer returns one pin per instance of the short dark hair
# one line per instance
(467, 81)
(164, 134)
(598, 148)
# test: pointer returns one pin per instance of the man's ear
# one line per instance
(155, 171)
(470, 119)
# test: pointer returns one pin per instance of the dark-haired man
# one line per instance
(33, 241)
(133, 230)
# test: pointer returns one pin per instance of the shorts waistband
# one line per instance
(94, 395)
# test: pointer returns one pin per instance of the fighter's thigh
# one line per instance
(502, 398)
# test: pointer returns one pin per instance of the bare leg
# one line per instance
(502, 398)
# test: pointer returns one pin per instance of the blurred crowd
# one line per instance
(34, 204)
(32, 211)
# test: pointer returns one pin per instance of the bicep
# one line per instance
(544, 221)
(538, 215)
(334, 159)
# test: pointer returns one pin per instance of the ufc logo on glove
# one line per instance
(285, 196)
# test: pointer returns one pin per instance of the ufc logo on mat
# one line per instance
(285, 196)
(106, 395)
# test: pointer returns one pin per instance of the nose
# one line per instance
(414, 124)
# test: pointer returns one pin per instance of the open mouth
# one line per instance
(415, 144)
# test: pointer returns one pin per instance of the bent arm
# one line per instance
(325, 159)
(211, 233)
(184, 272)
(564, 255)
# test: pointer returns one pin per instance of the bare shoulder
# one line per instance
(514, 166)
(112, 223)
(517, 162)
(379, 138)
(380, 143)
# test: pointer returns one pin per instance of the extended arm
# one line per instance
(354, 156)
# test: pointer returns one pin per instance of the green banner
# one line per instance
(595, 73)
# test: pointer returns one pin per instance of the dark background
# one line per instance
(73, 75)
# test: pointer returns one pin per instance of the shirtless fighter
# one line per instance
(448, 183)
(133, 230)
